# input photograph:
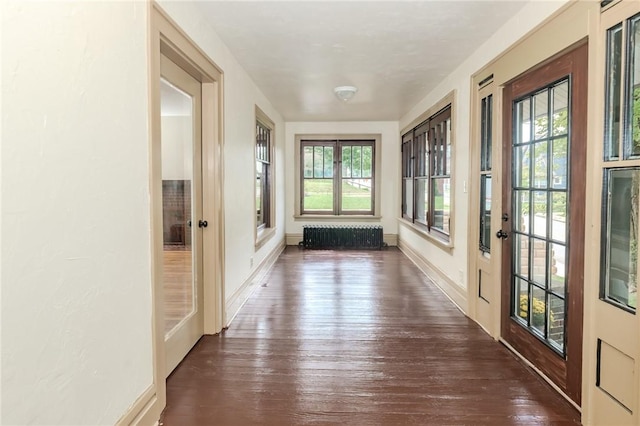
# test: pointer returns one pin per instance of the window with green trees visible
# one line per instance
(337, 177)
(621, 183)
(426, 174)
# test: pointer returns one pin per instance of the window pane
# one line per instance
(367, 161)
(633, 100)
(541, 115)
(557, 268)
(441, 204)
(259, 215)
(356, 194)
(356, 161)
(540, 213)
(538, 258)
(408, 198)
(485, 213)
(308, 161)
(346, 161)
(318, 194)
(447, 151)
(620, 236)
(613, 87)
(328, 161)
(559, 216)
(318, 162)
(486, 133)
(422, 200)
(406, 160)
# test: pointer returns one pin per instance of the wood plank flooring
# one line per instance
(355, 338)
(178, 286)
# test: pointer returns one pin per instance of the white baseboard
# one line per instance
(453, 291)
(294, 239)
(242, 294)
(144, 412)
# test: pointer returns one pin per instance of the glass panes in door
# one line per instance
(177, 204)
(540, 212)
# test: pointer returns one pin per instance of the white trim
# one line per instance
(145, 411)
(242, 294)
(540, 373)
(454, 292)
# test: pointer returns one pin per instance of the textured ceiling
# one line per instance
(394, 52)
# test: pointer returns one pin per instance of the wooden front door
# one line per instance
(544, 148)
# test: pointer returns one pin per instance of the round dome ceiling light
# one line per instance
(344, 93)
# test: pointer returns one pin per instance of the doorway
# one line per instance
(543, 196)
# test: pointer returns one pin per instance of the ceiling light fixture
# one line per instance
(344, 93)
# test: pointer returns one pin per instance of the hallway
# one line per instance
(360, 338)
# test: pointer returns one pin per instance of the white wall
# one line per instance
(76, 286)
(454, 263)
(241, 95)
(389, 203)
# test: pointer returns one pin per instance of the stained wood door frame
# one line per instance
(166, 38)
(566, 375)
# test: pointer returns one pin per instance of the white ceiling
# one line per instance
(395, 52)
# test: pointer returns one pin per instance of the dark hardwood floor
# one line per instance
(357, 338)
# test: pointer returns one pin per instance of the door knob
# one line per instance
(502, 234)
(202, 224)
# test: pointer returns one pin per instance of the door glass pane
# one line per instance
(633, 95)
(556, 319)
(559, 216)
(485, 213)
(318, 195)
(620, 239)
(540, 215)
(177, 121)
(522, 299)
(557, 268)
(522, 166)
(538, 309)
(613, 87)
(559, 163)
(540, 164)
(541, 115)
(521, 247)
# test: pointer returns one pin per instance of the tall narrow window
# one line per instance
(337, 177)
(486, 130)
(621, 184)
(426, 174)
(264, 173)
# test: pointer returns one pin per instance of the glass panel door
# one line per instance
(180, 106)
(540, 212)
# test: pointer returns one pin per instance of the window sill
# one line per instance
(263, 236)
(444, 245)
(333, 218)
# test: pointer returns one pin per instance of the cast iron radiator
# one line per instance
(342, 237)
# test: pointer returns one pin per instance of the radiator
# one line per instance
(342, 237)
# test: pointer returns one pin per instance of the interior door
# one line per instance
(543, 191)
(181, 152)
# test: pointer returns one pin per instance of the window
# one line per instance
(621, 166)
(264, 173)
(337, 177)
(426, 174)
(486, 117)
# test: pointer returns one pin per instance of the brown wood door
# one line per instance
(544, 199)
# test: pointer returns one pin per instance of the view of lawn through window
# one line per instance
(337, 177)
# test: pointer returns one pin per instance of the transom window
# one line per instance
(337, 177)
(426, 174)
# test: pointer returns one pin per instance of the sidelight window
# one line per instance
(621, 183)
